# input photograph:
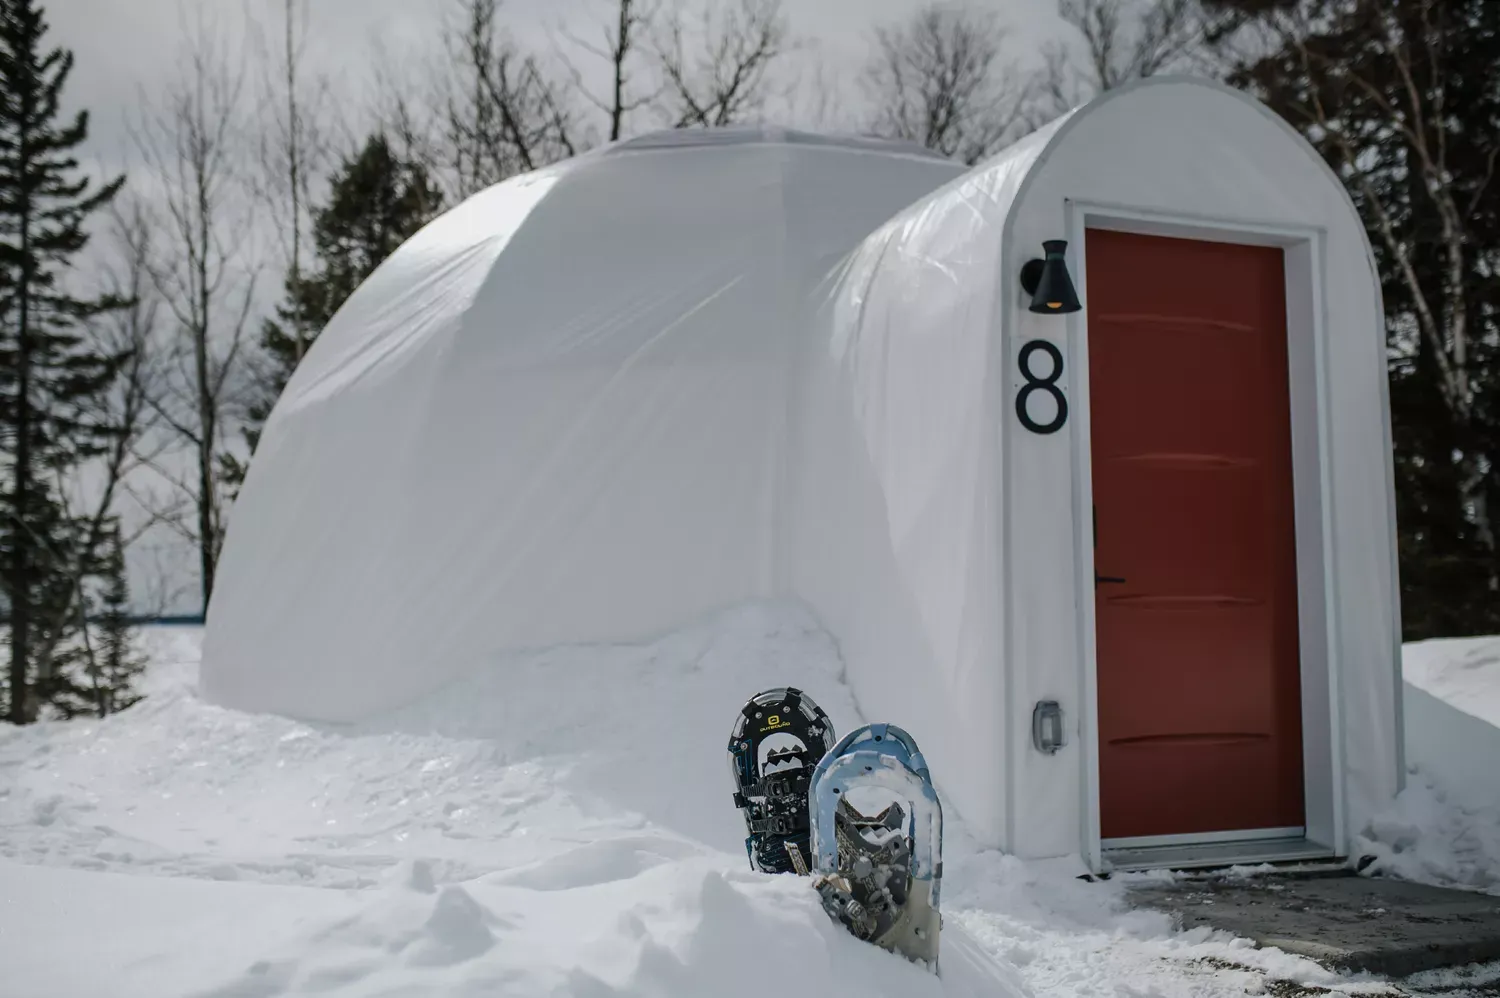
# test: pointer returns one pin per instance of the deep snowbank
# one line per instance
(559, 825)
(620, 918)
(1452, 747)
(1445, 826)
(1462, 672)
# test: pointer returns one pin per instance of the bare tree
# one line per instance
(489, 109)
(620, 48)
(192, 146)
(503, 114)
(293, 144)
(818, 97)
(717, 67)
(1121, 41)
(479, 110)
(940, 79)
(408, 107)
(135, 333)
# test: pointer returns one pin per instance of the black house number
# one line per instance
(1035, 384)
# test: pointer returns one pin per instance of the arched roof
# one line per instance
(740, 135)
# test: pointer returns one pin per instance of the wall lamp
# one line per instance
(1048, 283)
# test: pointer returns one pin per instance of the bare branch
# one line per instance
(1122, 40)
(730, 80)
(123, 414)
(192, 145)
(501, 113)
(629, 21)
(292, 141)
(939, 79)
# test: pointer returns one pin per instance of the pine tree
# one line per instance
(94, 675)
(375, 202)
(48, 373)
(119, 665)
(59, 640)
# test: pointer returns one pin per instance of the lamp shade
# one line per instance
(1053, 292)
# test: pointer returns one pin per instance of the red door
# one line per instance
(1199, 688)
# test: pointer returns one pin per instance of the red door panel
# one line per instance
(1199, 682)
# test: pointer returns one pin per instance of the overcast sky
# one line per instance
(126, 46)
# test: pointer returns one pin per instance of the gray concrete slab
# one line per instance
(1342, 920)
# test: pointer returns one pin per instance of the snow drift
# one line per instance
(559, 823)
(1445, 826)
(1462, 672)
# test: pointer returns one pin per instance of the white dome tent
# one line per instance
(1157, 623)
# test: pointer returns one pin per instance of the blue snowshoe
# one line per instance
(777, 740)
(879, 876)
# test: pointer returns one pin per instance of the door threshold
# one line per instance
(1200, 855)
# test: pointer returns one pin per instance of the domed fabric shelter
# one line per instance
(1126, 572)
(556, 413)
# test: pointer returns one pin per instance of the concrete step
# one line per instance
(1340, 919)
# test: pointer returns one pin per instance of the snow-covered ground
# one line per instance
(1445, 827)
(1464, 672)
(557, 825)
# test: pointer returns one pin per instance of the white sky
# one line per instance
(126, 46)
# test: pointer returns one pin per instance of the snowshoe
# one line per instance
(777, 740)
(879, 876)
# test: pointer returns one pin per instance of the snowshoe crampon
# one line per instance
(879, 875)
(777, 740)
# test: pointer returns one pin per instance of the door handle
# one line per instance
(1098, 579)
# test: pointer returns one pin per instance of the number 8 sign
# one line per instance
(1047, 385)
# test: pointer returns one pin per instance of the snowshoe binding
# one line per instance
(879, 876)
(777, 740)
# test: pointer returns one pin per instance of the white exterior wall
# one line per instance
(896, 528)
(1189, 149)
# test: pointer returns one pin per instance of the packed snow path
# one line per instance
(558, 825)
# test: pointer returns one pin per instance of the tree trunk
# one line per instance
(294, 164)
(21, 559)
(207, 541)
(622, 48)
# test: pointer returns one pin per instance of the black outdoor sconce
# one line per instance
(1048, 283)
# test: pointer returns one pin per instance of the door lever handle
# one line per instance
(1098, 579)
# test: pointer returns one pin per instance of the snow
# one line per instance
(1429, 836)
(558, 824)
(1444, 828)
(1463, 672)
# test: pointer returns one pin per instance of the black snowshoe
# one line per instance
(780, 735)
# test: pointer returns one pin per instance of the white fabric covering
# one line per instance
(558, 413)
(596, 402)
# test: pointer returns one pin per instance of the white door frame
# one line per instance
(1322, 731)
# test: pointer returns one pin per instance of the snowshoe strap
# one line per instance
(778, 824)
(777, 785)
